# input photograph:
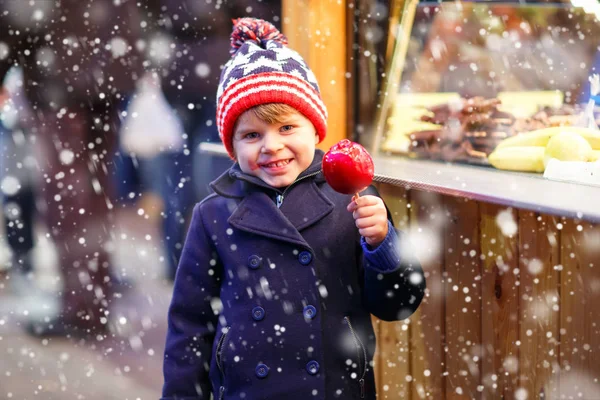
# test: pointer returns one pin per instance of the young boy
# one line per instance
(279, 273)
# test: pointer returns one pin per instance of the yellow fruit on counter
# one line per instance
(567, 146)
(594, 155)
(397, 143)
(540, 137)
(518, 158)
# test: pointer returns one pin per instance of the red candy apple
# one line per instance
(348, 167)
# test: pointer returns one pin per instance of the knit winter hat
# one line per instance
(264, 70)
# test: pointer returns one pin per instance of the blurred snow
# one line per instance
(507, 223)
(10, 185)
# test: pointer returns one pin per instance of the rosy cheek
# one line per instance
(253, 166)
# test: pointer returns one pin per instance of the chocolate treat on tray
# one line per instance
(470, 130)
(473, 127)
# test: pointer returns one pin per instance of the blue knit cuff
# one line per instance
(385, 257)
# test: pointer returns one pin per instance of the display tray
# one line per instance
(513, 189)
(444, 126)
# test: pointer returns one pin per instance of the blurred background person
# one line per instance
(18, 173)
(188, 43)
(79, 59)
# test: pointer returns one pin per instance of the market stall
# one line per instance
(511, 257)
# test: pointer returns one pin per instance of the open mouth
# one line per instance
(277, 164)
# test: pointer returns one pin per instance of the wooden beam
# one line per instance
(317, 30)
(539, 305)
(579, 311)
(500, 301)
(392, 359)
(463, 300)
(428, 325)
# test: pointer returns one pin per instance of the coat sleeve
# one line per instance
(394, 280)
(191, 319)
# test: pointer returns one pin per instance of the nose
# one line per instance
(271, 143)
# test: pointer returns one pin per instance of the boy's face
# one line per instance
(276, 153)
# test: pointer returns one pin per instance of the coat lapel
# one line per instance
(258, 214)
(305, 205)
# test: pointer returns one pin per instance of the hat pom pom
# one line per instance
(257, 30)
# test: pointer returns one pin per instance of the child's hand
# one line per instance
(370, 216)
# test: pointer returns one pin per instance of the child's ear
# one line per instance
(316, 138)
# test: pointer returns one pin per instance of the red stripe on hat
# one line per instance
(251, 88)
(269, 78)
(249, 92)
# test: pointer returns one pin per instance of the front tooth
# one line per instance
(277, 164)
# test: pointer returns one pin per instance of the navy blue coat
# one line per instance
(275, 303)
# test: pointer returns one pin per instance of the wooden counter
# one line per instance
(512, 305)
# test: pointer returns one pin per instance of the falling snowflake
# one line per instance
(202, 70)
(118, 47)
(66, 157)
(160, 49)
(521, 394)
(506, 222)
(535, 266)
(10, 185)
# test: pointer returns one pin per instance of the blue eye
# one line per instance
(287, 128)
(251, 135)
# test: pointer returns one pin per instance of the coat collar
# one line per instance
(257, 213)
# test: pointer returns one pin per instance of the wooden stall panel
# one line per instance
(512, 309)
(392, 356)
(539, 306)
(580, 310)
(317, 30)
(428, 220)
(463, 299)
(500, 300)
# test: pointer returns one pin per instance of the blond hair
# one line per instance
(272, 113)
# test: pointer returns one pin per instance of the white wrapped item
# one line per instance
(587, 173)
(151, 126)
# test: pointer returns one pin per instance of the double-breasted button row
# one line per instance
(258, 313)
(255, 261)
(262, 370)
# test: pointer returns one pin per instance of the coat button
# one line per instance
(312, 367)
(305, 257)
(309, 312)
(258, 313)
(261, 371)
(254, 262)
